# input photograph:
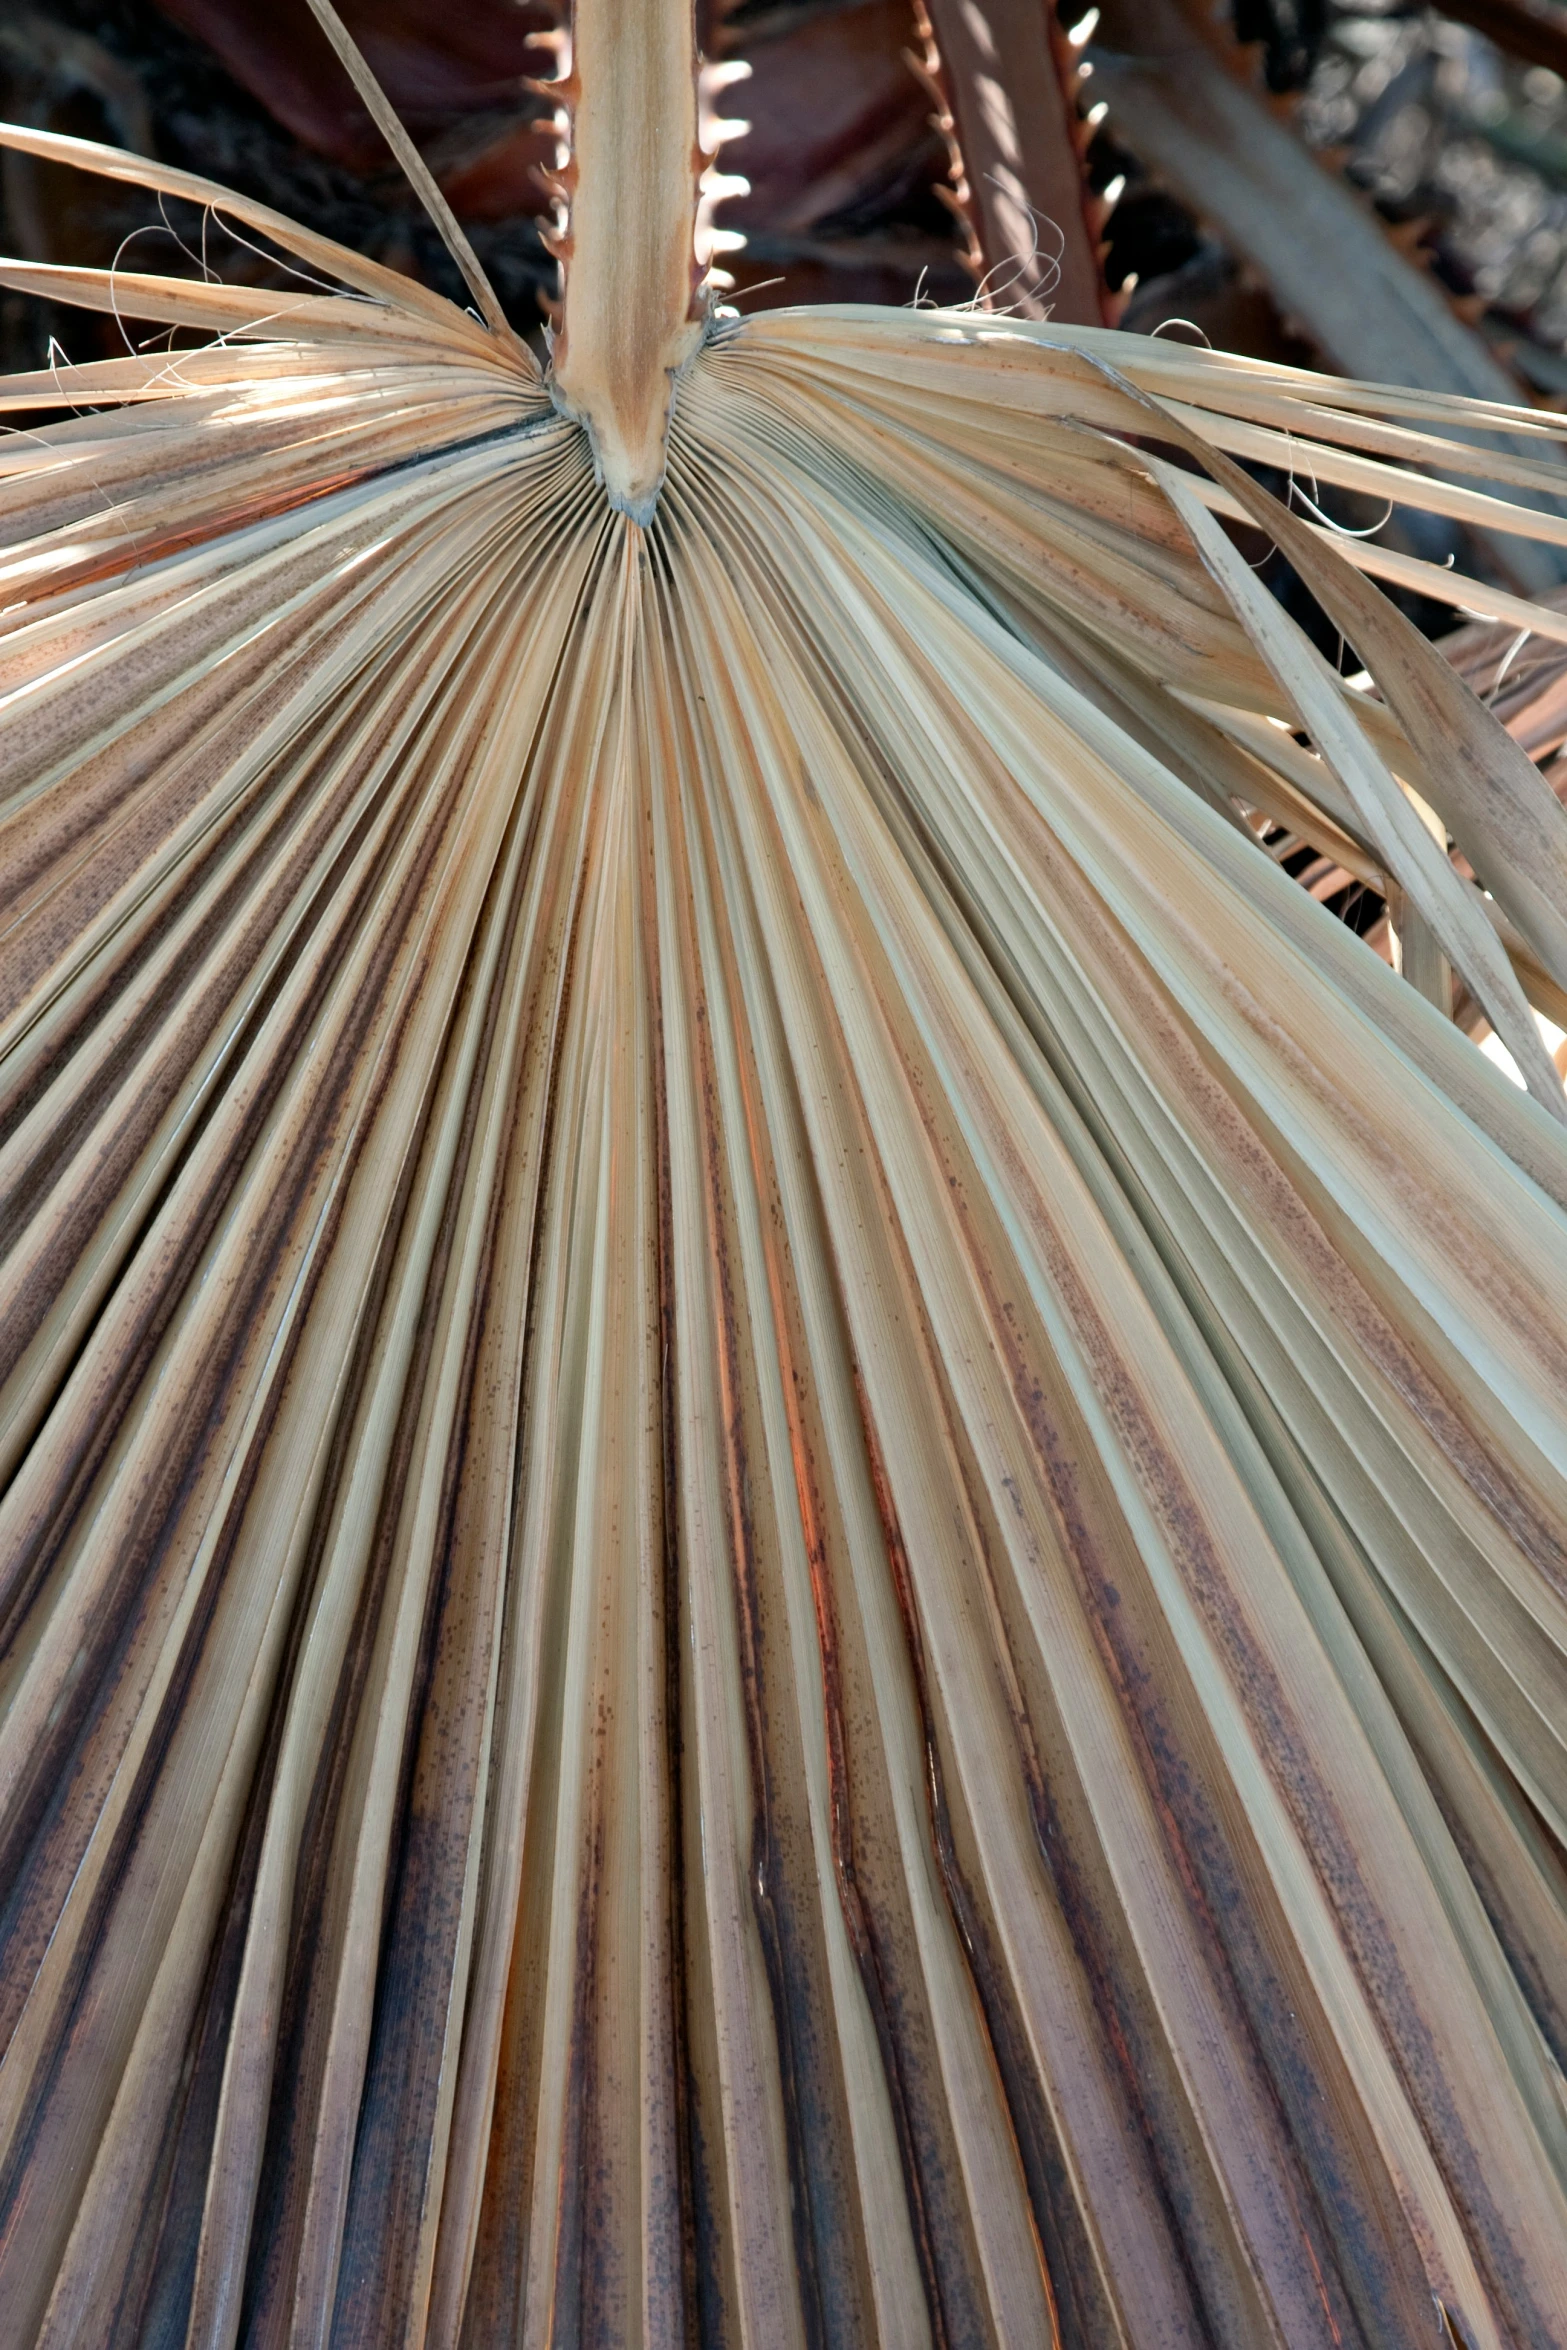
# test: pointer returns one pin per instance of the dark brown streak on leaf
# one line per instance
(1037, 2157)
(770, 1891)
(678, 1891)
(867, 1932)
(402, 2076)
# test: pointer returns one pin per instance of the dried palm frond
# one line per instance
(784, 1549)
(1174, 96)
(1521, 679)
(1006, 80)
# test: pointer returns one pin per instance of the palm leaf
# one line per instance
(783, 1545)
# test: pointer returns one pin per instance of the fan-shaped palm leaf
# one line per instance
(783, 1545)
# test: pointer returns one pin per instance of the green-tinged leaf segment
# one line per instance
(783, 1555)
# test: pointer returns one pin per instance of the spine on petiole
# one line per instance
(630, 313)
